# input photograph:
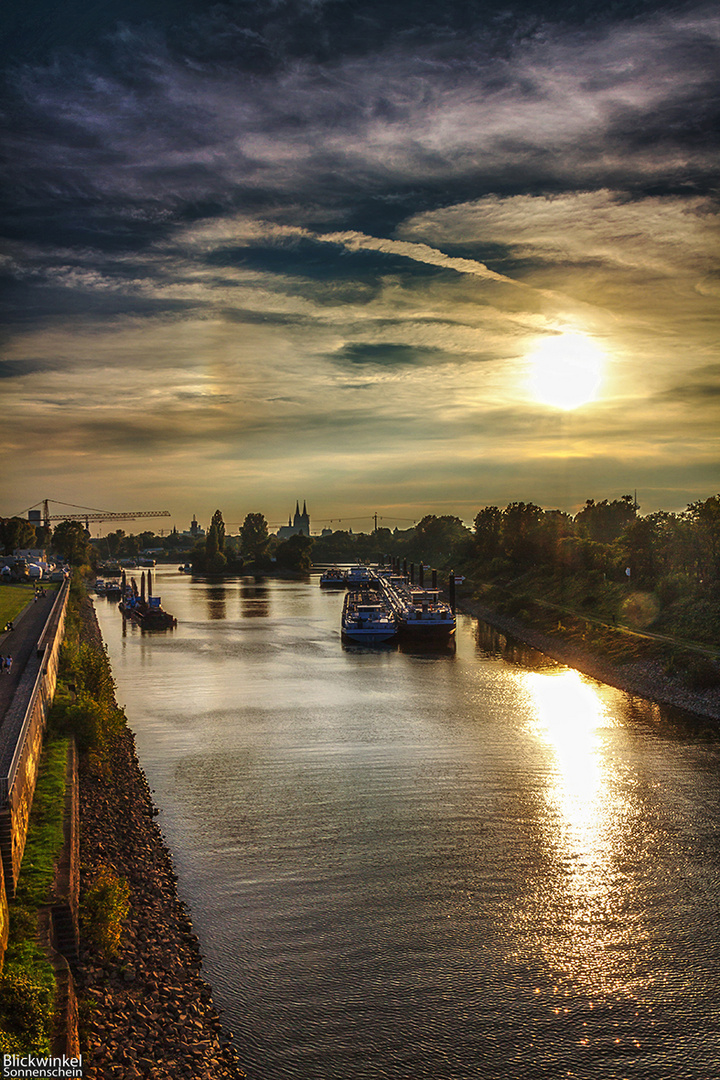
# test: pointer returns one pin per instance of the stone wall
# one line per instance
(25, 722)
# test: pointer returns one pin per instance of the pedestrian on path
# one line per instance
(8, 664)
(2, 664)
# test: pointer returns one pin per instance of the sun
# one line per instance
(566, 371)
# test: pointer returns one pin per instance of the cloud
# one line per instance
(241, 251)
(663, 234)
(701, 390)
(561, 107)
(387, 354)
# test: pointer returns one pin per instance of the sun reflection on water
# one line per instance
(574, 913)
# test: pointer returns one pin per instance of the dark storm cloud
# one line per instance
(357, 137)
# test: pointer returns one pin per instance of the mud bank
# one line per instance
(645, 679)
(149, 1013)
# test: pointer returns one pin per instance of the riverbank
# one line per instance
(644, 678)
(148, 1012)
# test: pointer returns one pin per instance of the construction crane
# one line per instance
(90, 513)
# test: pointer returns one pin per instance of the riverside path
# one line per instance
(20, 643)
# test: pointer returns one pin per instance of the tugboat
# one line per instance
(367, 619)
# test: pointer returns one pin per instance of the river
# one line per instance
(468, 864)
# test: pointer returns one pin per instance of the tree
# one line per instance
(439, 535)
(605, 521)
(637, 544)
(253, 535)
(16, 532)
(70, 541)
(294, 554)
(218, 524)
(704, 517)
(520, 522)
(488, 531)
(113, 541)
(215, 540)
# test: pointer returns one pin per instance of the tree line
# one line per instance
(675, 553)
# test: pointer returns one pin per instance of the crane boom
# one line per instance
(131, 515)
(91, 513)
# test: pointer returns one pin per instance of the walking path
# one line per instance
(20, 643)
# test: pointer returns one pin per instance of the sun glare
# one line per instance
(566, 371)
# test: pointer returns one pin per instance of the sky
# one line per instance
(393, 258)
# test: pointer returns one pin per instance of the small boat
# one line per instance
(332, 578)
(100, 586)
(113, 589)
(367, 619)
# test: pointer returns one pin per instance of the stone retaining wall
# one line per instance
(25, 723)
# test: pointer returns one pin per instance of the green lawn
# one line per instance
(13, 598)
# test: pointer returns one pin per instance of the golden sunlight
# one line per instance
(566, 371)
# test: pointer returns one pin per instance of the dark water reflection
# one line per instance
(216, 606)
(411, 864)
(255, 599)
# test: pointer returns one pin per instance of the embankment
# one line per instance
(148, 1013)
(641, 678)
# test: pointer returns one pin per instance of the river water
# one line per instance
(463, 864)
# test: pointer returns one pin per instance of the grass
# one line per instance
(13, 598)
(27, 984)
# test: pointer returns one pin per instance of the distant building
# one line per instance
(298, 526)
(194, 532)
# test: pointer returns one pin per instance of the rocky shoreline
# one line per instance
(149, 1013)
(644, 679)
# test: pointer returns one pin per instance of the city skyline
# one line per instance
(387, 258)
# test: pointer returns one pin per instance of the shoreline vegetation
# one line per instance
(637, 670)
(145, 1009)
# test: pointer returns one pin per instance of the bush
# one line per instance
(104, 907)
(26, 1011)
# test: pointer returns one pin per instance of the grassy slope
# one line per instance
(27, 985)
